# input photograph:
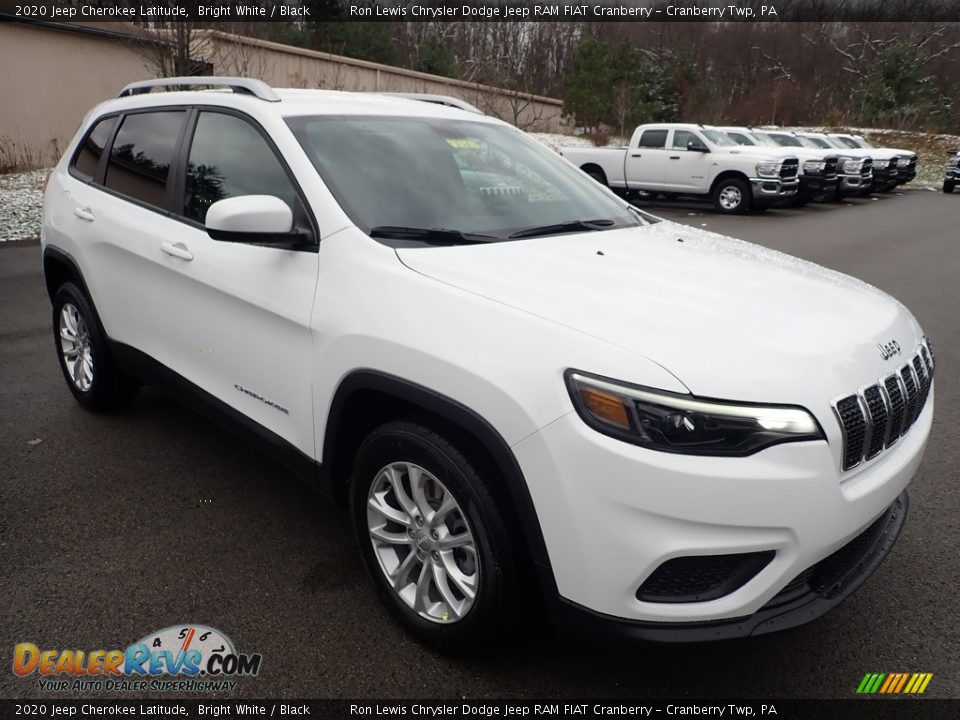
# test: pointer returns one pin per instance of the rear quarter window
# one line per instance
(87, 160)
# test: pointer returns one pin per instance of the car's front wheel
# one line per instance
(92, 376)
(732, 195)
(432, 538)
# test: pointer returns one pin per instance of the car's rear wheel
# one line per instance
(432, 537)
(91, 374)
(596, 173)
(732, 195)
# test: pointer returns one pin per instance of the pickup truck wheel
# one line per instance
(92, 376)
(732, 196)
(646, 195)
(597, 174)
(432, 538)
(824, 196)
(948, 186)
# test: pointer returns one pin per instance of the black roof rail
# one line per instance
(247, 86)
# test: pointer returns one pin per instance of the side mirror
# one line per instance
(262, 219)
(697, 146)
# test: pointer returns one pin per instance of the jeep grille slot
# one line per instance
(874, 418)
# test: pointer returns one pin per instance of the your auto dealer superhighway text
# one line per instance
(557, 10)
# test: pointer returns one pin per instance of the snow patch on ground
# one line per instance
(21, 202)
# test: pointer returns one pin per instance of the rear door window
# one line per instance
(87, 160)
(229, 157)
(142, 153)
(653, 139)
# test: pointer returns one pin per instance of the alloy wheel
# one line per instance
(75, 347)
(423, 542)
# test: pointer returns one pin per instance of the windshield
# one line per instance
(820, 142)
(488, 181)
(849, 142)
(807, 142)
(719, 138)
(786, 140)
(764, 139)
(864, 144)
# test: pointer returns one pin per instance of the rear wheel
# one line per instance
(596, 173)
(732, 195)
(91, 374)
(432, 538)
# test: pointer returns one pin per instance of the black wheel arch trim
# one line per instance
(65, 258)
(468, 420)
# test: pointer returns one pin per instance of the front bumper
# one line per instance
(885, 176)
(814, 184)
(768, 189)
(807, 597)
(613, 513)
(855, 184)
(907, 173)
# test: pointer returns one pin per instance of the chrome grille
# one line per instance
(874, 418)
(867, 168)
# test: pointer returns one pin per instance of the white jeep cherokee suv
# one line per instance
(532, 400)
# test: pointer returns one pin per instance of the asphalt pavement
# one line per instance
(112, 526)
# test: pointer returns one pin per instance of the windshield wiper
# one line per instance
(436, 236)
(556, 229)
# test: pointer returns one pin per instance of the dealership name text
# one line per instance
(564, 709)
(571, 11)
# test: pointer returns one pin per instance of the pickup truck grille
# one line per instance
(867, 168)
(830, 167)
(789, 168)
(874, 418)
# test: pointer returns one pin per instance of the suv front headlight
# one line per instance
(768, 169)
(880, 164)
(814, 167)
(677, 423)
(852, 165)
(903, 161)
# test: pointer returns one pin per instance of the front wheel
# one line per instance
(432, 538)
(732, 196)
(948, 186)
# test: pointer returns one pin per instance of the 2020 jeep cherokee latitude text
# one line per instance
(530, 395)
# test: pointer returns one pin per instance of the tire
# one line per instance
(596, 173)
(88, 369)
(732, 196)
(407, 543)
(948, 186)
(646, 195)
(824, 196)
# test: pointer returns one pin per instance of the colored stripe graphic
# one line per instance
(894, 683)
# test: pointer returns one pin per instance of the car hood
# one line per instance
(728, 318)
(811, 154)
(758, 153)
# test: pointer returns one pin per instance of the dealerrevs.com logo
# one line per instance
(178, 658)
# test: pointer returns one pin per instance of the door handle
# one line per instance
(674, 157)
(84, 213)
(635, 154)
(177, 250)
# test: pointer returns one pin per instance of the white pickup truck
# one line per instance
(685, 159)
